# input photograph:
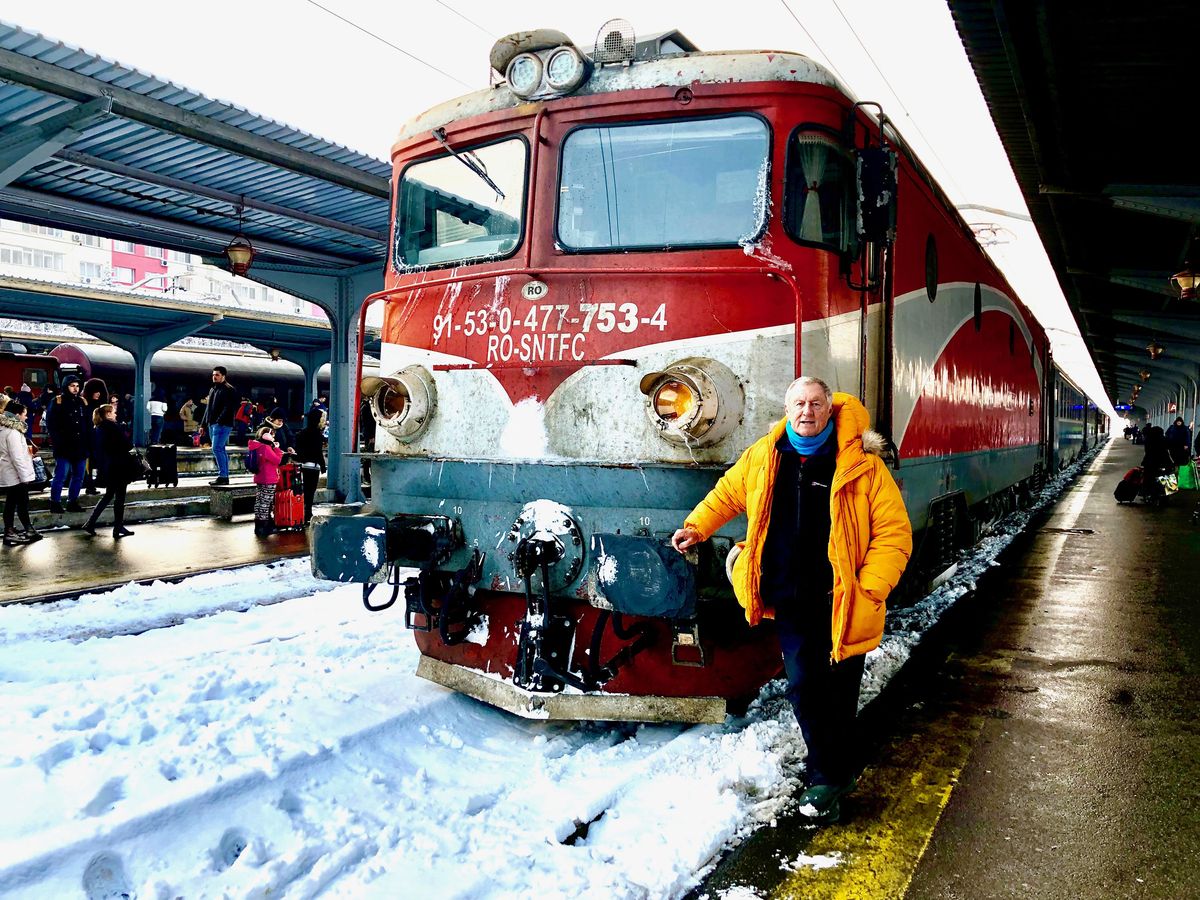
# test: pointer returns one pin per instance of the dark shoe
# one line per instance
(73, 506)
(13, 539)
(822, 802)
(32, 535)
(56, 507)
(121, 532)
(90, 527)
(219, 480)
(91, 492)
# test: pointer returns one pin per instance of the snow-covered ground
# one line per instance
(256, 733)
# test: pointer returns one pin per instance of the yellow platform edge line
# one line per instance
(892, 814)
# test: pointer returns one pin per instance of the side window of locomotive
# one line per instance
(657, 185)
(819, 194)
(446, 213)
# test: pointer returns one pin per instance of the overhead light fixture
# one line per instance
(275, 353)
(240, 251)
(1144, 374)
(1155, 349)
(1187, 281)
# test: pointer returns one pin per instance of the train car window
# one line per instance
(694, 183)
(447, 214)
(931, 268)
(818, 199)
(36, 378)
(978, 307)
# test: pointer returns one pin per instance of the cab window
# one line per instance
(818, 203)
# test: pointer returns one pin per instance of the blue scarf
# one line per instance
(807, 446)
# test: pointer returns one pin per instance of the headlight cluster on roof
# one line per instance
(540, 64)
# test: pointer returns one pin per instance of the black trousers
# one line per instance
(16, 502)
(311, 477)
(115, 493)
(823, 694)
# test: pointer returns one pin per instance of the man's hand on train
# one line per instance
(684, 538)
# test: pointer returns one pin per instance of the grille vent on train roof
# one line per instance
(615, 42)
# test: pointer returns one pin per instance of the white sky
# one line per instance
(292, 61)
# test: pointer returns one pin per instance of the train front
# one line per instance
(582, 311)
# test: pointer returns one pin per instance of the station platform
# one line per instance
(68, 562)
(1043, 741)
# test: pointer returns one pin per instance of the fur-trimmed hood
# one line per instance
(874, 442)
(8, 420)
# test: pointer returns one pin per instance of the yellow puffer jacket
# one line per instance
(870, 537)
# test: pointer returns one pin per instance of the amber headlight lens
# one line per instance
(696, 401)
(673, 400)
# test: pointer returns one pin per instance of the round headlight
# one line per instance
(402, 404)
(524, 74)
(673, 400)
(566, 69)
(696, 401)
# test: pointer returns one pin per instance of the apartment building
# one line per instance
(55, 254)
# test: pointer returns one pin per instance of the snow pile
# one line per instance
(258, 733)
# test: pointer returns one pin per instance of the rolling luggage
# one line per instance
(1128, 487)
(164, 467)
(289, 499)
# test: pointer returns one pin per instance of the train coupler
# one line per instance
(544, 648)
(441, 600)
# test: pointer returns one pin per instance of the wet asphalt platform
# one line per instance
(1045, 740)
(68, 562)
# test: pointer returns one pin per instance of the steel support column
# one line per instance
(310, 363)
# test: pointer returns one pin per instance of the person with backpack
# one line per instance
(242, 419)
(266, 457)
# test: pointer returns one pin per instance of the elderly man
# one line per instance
(827, 539)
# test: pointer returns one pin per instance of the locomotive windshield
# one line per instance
(663, 184)
(446, 213)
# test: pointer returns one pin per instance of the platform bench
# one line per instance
(226, 500)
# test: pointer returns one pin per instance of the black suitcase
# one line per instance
(164, 469)
(1127, 489)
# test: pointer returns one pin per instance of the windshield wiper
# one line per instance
(470, 160)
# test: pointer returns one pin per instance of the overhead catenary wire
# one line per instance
(808, 34)
(465, 18)
(908, 115)
(388, 43)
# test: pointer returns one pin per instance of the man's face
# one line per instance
(808, 410)
(275, 423)
(73, 387)
(218, 377)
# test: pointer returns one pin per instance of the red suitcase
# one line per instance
(289, 499)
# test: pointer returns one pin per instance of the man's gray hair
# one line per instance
(804, 380)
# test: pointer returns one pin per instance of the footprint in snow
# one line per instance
(106, 798)
(229, 848)
(105, 878)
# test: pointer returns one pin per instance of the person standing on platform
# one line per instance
(187, 417)
(266, 479)
(68, 423)
(16, 474)
(95, 392)
(828, 538)
(1179, 442)
(277, 419)
(241, 420)
(219, 410)
(310, 452)
(157, 408)
(111, 454)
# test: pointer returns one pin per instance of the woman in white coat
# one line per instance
(16, 474)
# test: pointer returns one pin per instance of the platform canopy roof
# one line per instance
(94, 146)
(115, 314)
(1094, 104)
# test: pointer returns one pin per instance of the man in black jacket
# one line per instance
(68, 421)
(219, 410)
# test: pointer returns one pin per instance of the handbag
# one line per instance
(41, 477)
(137, 467)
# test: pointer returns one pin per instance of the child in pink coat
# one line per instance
(266, 479)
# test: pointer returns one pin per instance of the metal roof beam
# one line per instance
(52, 79)
(24, 146)
(1179, 202)
(1166, 325)
(234, 200)
(48, 209)
(1142, 280)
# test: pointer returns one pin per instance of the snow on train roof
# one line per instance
(723, 67)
